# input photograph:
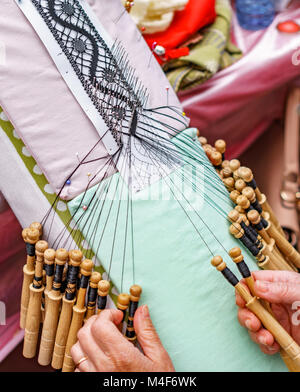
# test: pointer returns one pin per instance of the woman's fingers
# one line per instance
(277, 276)
(78, 354)
(249, 320)
(262, 337)
(238, 299)
(278, 292)
(88, 344)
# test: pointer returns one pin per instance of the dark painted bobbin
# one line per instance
(40, 247)
(237, 231)
(103, 290)
(237, 257)
(122, 304)
(75, 257)
(92, 292)
(218, 262)
(61, 257)
(135, 295)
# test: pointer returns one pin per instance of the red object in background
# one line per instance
(10, 234)
(196, 15)
(288, 27)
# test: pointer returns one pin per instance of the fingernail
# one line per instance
(248, 325)
(262, 340)
(262, 286)
(145, 311)
(271, 349)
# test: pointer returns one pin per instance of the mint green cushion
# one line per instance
(191, 304)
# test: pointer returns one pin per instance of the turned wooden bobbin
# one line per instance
(92, 294)
(234, 195)
(49, 259)
(216, 159)
(234, 164)
(250, 194)
(235, 217)
(78, 314)
(239, 185)
(52, 310)
(229, 183)
(237, 257)
(227, 172)
(270, 249)
(122, 304)
(246, 174)
(225, 163)
(103, 290)
(34, 307)
(135, 295)
(202, 140)
(283, 244)
(243, 202)
(252, 303)
(75, 259)
(37, 226)
(68, 301)
(30, 237)
(220, 146)
(237, 231)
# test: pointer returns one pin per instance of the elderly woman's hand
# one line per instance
(107, 350)
(282, 290)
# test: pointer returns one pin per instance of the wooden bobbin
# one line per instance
(37, 226)
(78, 314)
(286, 248)
(243, 202)
(216, 159)
(33, 318)
(227, 172)
(220, 146)
(270, 249)
(135, 295)
(202, 140)
(237, 231)
(53, 309)
(234, 195)
(122, 304)
(235, 216)
(250, 194)
(30, 237)
(225, 163)
(239, 185)
(252, 303)
(198, 134)
(68, 302)
(234, 164)
(92, 294)
(103, 290)
(246, 174)
(255, 219)
(49, 259)
(237, 257)
(229, 183)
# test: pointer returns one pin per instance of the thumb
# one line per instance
(278, 292)
(146, 334)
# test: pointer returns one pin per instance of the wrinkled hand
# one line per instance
(282, 290)
(109, 351)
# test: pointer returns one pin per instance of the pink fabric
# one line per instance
(40, 105)
(240, 102)
(12, 258)
(10, 233)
